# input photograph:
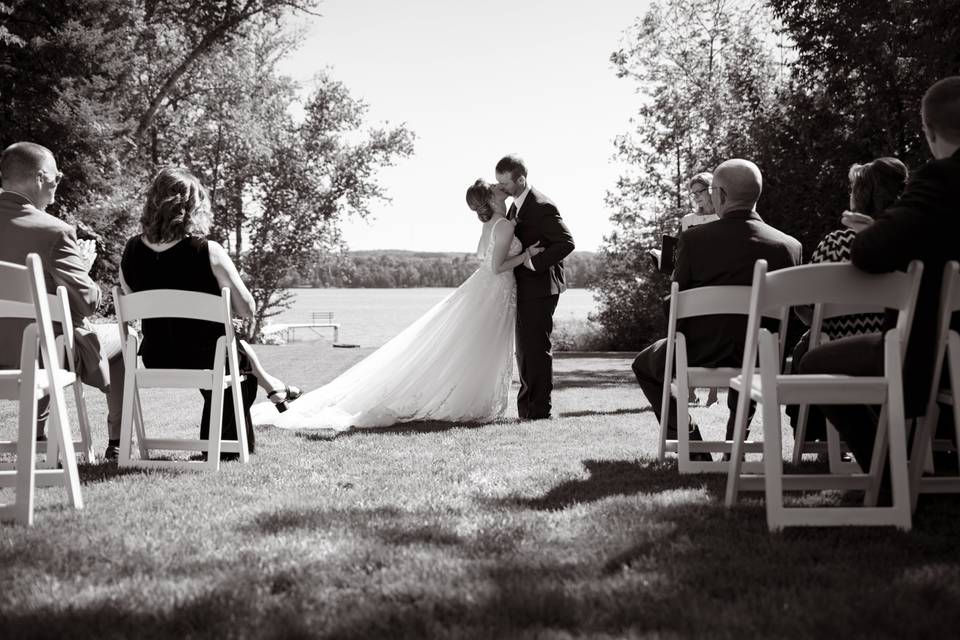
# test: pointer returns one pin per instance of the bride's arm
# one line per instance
(504, 234)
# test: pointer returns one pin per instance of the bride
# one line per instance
(455, 363)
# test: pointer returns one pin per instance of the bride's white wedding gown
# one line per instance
(454, 363)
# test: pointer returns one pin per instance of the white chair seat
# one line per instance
(825, 389)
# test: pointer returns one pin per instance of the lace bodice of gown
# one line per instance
(454, 363)
(515, 246)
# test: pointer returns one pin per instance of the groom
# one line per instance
(539, 284)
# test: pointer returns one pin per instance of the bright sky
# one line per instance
(474, 81)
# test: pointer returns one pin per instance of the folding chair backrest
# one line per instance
(174, 303)
(949, 304)
(950, 293)
(840, 289)
(707, 301)
(16, 299)
(23, 294)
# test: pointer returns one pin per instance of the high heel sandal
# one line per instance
(289, 395)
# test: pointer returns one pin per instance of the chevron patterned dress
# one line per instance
(835, 247)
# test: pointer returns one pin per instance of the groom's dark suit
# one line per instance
(538, 291)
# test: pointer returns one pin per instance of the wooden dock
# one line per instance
(318, 320)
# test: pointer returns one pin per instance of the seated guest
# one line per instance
(719, 253)
(700, 187)
(873, 187)
(921, 225)
(171, 253)
(30, 178)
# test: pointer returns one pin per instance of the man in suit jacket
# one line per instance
(539, 284)
(923, 224)
(720, 253)
(29, 178)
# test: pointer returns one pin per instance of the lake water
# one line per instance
(370, 317)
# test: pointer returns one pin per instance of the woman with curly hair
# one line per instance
(171, 252)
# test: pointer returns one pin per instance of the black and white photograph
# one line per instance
(453, 319)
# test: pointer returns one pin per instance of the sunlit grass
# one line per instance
(559, 528)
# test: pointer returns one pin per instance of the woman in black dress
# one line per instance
(172, 253)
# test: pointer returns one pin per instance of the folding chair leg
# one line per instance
(236, 389)
(683, 432)
(58, 418)
(129, 402)
(800, 435)
(953, 356)
(878, 459)
(897, 437)
(83, 421)
(921, 443)
(664, 421)
(138, 423)
(736, 455)
(216, 424)
(240, 421)
(772, 445)
(772, 462)
(26, 452)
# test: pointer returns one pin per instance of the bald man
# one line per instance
(720, 253)
(923, 224)
(29, 177)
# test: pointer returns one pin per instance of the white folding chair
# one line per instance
(833, 447)
(679, 377)
(168, 303)
(948, 347)
(826, 284)
(66, 352)
(23, 295)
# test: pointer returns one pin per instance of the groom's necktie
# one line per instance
(512, 212)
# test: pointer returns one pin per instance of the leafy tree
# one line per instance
(860, 70)
(320, 171)
(704, 70)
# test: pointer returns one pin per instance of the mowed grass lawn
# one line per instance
(559, 528)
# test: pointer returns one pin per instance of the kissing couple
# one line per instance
(455, 362)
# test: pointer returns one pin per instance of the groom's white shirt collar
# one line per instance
(520, 198)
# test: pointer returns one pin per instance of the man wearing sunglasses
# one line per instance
(29, 177)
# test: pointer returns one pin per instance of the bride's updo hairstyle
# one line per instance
(478, 199)
(176, 206)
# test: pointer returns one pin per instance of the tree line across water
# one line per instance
(407, 269)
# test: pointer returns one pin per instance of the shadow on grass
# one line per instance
(593, 355)
(592, 378)
(614, 412)
(617, 478)
(107, 471)
(419, 426)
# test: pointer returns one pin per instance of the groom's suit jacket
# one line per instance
(539, 221)
(719, 254)
(25, 229)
